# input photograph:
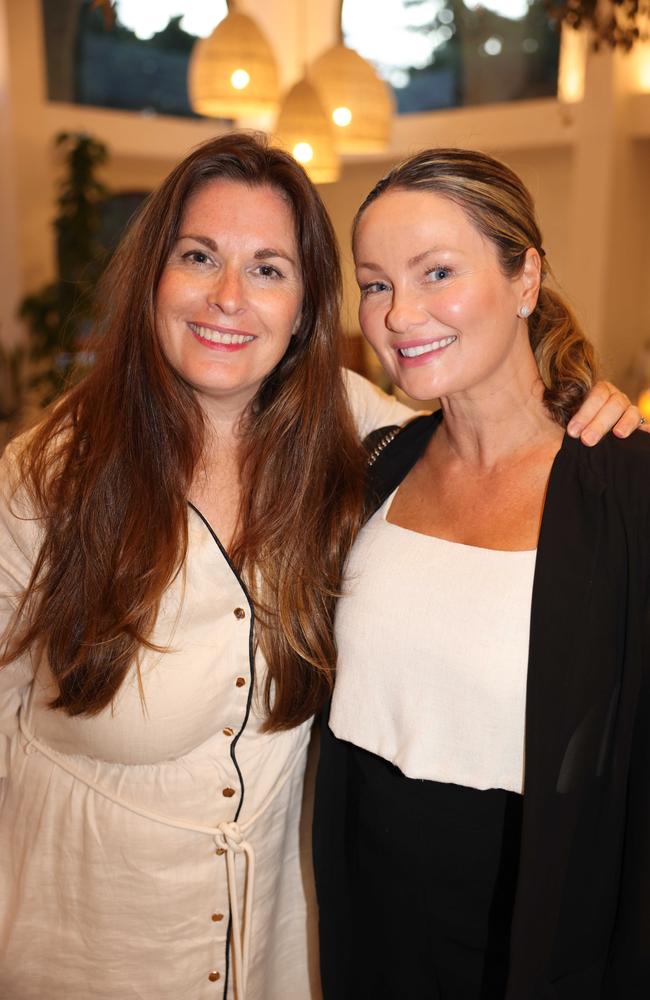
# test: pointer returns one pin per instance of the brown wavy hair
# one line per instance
(500, 206)
(109, 468)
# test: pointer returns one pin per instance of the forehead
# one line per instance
(224, 205)
(414, 219)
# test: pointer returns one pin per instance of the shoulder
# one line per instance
(618, 467)
(624, 457)
(20, 529)
(11, 465)
(392, 456)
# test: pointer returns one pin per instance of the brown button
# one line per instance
(217, 916)
(214, 976)
(240, 682)
(220, 851)
(229, 792)
(228, 731)
(239, 613)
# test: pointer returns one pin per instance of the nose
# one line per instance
(227, 292)
(405, 312)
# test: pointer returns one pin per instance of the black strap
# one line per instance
(399, 456)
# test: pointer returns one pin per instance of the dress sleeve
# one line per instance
(370, 406)
(18, 542)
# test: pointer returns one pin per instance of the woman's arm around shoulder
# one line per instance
(371, 407)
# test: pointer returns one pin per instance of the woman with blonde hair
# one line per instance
(483, 802)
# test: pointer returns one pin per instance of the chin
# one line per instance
(420, 390)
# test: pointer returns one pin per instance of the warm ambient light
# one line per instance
(355, 98)
(305, 130)
(232, 74)
(240, 79)
(643, 403)
(303, 152)
(643, 67)
(341, 117)
(573, 62)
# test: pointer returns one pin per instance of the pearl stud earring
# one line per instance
(524, 312)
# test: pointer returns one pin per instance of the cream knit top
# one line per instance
(433, 651)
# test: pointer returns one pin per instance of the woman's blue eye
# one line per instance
(438, 273)
(373, 286)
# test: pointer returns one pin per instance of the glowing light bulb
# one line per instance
(341, 117)
(240, 79)
(303, 152)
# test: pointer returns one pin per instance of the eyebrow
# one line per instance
(411, 262)
(264, 253)
(267, 252)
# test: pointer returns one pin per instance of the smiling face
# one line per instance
(230, 295)
(435, 304)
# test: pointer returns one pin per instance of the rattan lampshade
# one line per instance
(233, 74)
(304, 129)
(353, 93)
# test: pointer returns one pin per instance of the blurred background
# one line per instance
(100, 98)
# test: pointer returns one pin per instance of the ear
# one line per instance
(530, 279)
(296, 324)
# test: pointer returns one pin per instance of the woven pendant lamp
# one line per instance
(304, 129)
(233, 73)
(359, 103)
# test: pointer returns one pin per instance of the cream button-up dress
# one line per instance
(155, 850)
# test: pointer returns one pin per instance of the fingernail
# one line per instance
(574, 428)
(589, 437)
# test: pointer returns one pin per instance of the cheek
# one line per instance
(285, 315)
(458, 304)
(174, 292)
(165, 299)
(371, 322)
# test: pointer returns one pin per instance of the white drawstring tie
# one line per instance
(231, 840)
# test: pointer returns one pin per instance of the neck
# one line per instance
(489, 423)
(223, 428)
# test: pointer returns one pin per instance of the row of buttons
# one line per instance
(215, 976)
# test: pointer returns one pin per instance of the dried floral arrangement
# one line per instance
(617, 24)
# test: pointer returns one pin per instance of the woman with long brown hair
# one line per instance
(483, 802)
(172, 538)
(171, 543)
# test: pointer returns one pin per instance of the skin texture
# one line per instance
(445, 284)
(429, 279)
(234, 268)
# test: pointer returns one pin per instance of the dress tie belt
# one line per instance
(229, 837)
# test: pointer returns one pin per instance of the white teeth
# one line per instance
(217, 337)
(435, 345)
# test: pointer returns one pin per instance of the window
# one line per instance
(139, 63)
(450, 53)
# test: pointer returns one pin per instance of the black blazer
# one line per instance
(581, 919)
